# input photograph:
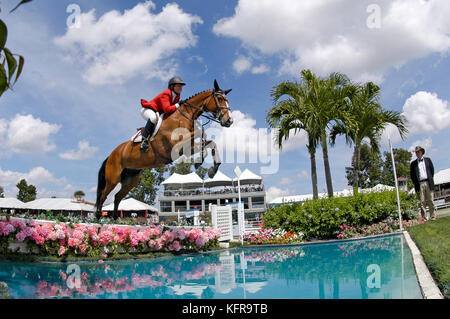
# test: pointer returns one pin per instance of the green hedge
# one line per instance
(322, 218)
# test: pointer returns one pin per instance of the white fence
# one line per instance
(221, 217)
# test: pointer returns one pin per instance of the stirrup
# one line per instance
(144, 145)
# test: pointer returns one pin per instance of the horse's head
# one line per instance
(218, 106)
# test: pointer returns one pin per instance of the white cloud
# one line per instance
(426, 113)
(83, 152)
(303, 174)
(243, 64)
(243, 137)
(274, 192)
(285, 181)
(37, 176)
(260, 69)
(328, 36)
(117, 47)
(26, 134)
(243, 142)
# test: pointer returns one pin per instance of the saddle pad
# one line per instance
(137, 137)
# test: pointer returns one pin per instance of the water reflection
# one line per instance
(311, 271)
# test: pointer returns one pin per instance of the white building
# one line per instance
(184, 193)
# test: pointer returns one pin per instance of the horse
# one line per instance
(175, 136)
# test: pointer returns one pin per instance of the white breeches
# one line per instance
(149, 114)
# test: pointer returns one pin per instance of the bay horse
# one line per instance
(176, 134)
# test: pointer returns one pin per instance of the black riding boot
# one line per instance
(148, 131)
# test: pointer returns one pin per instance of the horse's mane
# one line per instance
(197, 94)
(189, 99)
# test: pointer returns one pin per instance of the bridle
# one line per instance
(204, 112)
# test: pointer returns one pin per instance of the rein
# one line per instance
(216, 118)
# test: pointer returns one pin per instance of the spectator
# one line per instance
(422, 173)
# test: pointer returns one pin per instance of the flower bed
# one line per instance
(322, 218)
(386, 226)
(59, 239)
(272, 236)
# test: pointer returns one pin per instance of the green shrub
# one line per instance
(322, 218)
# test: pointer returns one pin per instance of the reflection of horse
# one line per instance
(176, 134)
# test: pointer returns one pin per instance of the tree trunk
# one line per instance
(356, 167)
(312, 156)
(326, 164)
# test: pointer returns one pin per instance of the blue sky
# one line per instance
(78, 97)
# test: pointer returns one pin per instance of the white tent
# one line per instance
(220, 179)
(130, 204)
(183, 181)
(378, 188)
(58, 204)
(248, 177)
(442, 177)
(10, 203)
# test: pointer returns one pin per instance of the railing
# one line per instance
(442, 194)
(197, 192)
(252, 224)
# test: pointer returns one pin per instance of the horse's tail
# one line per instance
(101, 183)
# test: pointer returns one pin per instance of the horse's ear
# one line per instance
(227, 91)
(216, 86)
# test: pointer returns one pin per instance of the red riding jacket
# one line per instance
(162, 103)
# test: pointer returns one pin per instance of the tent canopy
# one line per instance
(220, 179)
(11, 203)
(442, 177)
(248, 177)
(130, 204)
(58, 204)
(177, 181)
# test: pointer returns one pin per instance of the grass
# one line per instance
(433, 241)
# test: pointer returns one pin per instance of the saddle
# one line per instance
(137, 137)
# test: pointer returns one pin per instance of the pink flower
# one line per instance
(39, 239)
(6, 228)
(83, 248)
(21, 236)
(62, 250)
(17, 224)
(100, 261)
(176, 245)
(52, 236)
(200, 241)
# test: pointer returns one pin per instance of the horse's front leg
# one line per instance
(200, 147)
(216, 157)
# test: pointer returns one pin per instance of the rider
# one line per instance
(166, 102)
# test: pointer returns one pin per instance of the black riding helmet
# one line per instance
(176, 80)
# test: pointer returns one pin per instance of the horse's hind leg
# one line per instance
(112, 178)
(108, 189)
(129, 180)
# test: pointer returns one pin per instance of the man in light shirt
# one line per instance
(422, 173)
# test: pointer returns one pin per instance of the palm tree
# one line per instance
(288, 117)
(369, 121)
(79, 195)
(319, 102)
